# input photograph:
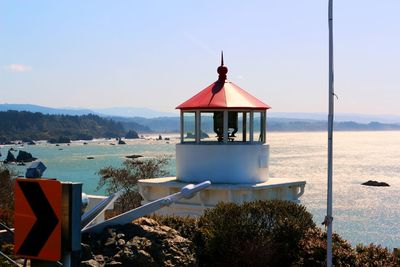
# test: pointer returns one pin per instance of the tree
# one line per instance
(126, 177)
(7, 180)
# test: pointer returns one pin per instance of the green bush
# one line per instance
(375, 255)
(7, 249)
(260, 233)
(7, 180)
(312, 250)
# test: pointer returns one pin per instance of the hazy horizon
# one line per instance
(173, 110)
(129, 112)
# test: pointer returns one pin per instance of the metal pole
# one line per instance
(71, 223)
(329, 218)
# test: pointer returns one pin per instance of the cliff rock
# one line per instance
(144, 242)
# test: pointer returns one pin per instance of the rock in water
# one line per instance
(28, 141)
(131, 135)
(144, 242)
(120, 142)
(10, 157)
(24, 156)
(133, 156)
(375, 183)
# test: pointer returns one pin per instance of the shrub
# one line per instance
(7, 179)
(126, 177)
(7, 249)
(260, 233)
(375, 255)
(312, 250)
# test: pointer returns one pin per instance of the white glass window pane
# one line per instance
(258, 127)
(207, 133)
(189, 126)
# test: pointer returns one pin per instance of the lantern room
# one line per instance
(223, 135)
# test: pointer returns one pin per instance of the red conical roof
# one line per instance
(223, 94)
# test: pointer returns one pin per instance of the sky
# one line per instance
(157, 54)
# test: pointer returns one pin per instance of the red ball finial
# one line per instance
(222, 70)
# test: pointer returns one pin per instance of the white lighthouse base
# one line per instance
(274, 188)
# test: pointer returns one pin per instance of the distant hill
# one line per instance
(44, 110)
(131, 124)
(19, 125)
(171, 124)
(146, 120)
(161, 124)
(339, 117)
(283, 124)
(133, 112)
(109, 112)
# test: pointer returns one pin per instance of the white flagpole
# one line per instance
(329, 218)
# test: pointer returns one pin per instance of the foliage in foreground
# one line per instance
(7, 249)
(312, 250)
(269, 233)
(253, 233)
(375, 255)
(7, 179)
(126, 177)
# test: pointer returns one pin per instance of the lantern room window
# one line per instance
(223, 126)
(207, 133)
(259, 126)
(188, 127)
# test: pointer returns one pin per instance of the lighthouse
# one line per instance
(222, 140)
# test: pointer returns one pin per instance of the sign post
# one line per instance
(71, 223)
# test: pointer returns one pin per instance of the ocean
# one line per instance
(362, 214)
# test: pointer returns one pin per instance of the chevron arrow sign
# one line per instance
(37, 219)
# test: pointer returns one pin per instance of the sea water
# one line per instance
(361, 214)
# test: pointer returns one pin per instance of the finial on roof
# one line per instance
(222, 70)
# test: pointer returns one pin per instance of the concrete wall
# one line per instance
(232, 163)
(274, 188)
